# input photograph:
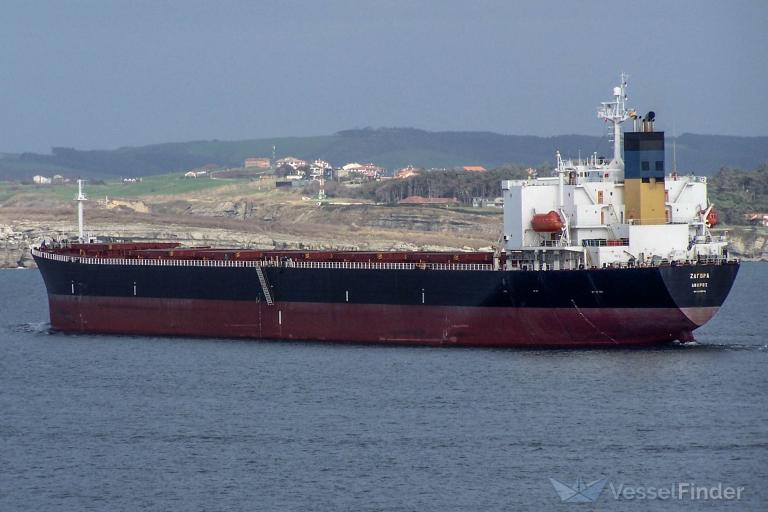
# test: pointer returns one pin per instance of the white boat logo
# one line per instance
(579, 492)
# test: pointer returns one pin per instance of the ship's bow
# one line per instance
(699, 290)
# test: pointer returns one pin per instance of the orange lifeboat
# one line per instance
(547, 222)
(712, 218)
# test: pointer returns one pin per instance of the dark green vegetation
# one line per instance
(389, 147)
(459, 184)
(736, 193)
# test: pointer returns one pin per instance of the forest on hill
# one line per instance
(391, 148)
(461, 185)
(736, 193)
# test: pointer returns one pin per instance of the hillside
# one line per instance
(389, 147)
(736, 192)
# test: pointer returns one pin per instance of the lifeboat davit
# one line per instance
(547, 222)
(712, 218)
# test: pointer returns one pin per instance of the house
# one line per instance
(131, 180)
(257, 162)
(406, 172)
(418, 200)
(344, 171)
(370, 171)
(320, 169)
(756, 219)
(484, 202)
(292, 162)
(198, 172)
(321, 164)
(41, 180)
(474, 168)
(353, 166)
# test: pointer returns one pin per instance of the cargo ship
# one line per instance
(601, 253)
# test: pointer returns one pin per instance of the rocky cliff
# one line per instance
(285, 226)
(749, 243)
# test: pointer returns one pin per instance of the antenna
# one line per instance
(273, 156)
(321, 190)
(674, 149)
(80, 198)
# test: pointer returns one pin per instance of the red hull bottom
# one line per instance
(391, 324)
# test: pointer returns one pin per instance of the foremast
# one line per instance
(81, 198)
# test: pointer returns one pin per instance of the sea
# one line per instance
(123, 423)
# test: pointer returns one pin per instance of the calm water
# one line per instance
(129, 423)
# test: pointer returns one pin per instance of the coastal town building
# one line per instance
(320, 169)
(257, 163)
(406, 172)
(56, 179)
(757, 218)
(357, 170)
(485, 202)
(291, 161)
(199, 172)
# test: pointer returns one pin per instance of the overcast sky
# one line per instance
(104, 74)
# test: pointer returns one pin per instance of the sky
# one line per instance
(107, 73)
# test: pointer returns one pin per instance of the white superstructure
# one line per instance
(578, 218)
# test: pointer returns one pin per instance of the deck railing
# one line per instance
(364, 265)
(289, 263)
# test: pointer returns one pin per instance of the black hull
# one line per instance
(593, 307)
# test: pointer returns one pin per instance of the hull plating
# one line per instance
(423, 325)
(593, 307)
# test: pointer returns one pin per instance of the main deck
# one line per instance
(173, 254)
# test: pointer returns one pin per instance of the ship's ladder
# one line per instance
(264, 285)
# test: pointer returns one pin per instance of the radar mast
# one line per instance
(615, 112)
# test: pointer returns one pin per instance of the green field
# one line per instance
(8, 190)
(165, 184)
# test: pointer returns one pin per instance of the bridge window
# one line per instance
(645, 165)
(659, 165)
